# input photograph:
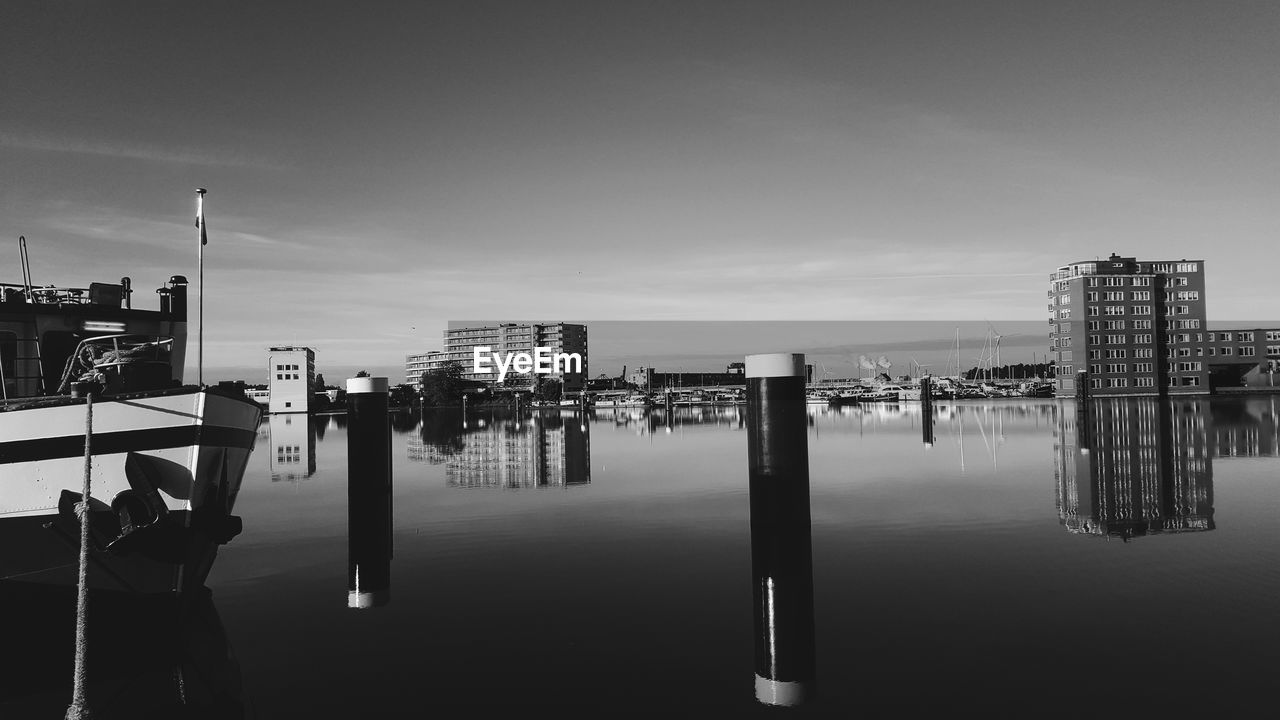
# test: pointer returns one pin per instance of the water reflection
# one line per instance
(498, 448)
(149, 656)
(1147, 470)
(292, 439)
(1246, 428)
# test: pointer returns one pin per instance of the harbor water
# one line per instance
(601, 565)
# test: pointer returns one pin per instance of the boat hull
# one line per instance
(166, 468)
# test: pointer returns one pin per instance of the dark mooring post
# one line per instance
(668, 403)
(369, 524)
(781, 550)
(1083, 435)
(926, 410)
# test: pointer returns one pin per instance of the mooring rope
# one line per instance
(79, 708)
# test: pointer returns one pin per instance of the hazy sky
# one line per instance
(378, 169)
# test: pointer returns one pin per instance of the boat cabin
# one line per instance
(51, 337)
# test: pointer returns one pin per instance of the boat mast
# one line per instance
(200, 289)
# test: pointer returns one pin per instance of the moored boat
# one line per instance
(167, 458)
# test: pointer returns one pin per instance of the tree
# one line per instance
(548, 389)
(363, 373)
(443, 385)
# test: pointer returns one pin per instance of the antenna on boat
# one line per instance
(26, 266)
(200, 288)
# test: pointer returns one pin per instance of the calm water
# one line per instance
(602, 566)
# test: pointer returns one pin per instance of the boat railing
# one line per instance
(106, 357)
(48, 295)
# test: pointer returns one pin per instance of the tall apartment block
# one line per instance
(505, 338)
(291, 379)
(1137, 328)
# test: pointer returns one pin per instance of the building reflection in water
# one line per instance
(1246, 427)
(150, 656)
(491, 448)
(292, 438)
(1148, 469)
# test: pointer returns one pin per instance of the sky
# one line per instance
(375, 170)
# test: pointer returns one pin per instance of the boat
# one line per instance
(167, 457)
(1036, 389)
(608, 400)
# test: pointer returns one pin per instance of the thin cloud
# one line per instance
(132, 151)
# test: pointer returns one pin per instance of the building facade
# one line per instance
(460, 344)
(1136, 328)
(1248, 358)
(291, 379)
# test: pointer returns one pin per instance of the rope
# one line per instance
(79, 708)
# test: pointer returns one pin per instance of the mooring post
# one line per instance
(781, 546)
(368, 493)
(926, 410)
(1083, 434)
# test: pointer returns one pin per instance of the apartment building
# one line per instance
(505, 338)
(1136, 327)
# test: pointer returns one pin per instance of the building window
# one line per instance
(1273, 335)
(1144, 353)
(1117, 382)
(1273, 351)
(1144, 367)
(1117, 354)
(1142, 339)
(1095, 369)
(1144, 382)
(1115, 368)
(1141, 295)
(1113, 296)
(1114, 324)
(1115, 282)
(1244, 337)
(1141, 324)
(1114, 310)
(1115, 339)
(1141, 309)
(1095, 382)
(1246, 351)
(1228, 350)
(1093, 325)
(288, 404)
(1094, 340)
(1092, 310)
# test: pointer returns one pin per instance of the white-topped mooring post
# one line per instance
(369, 518)
(781, 546)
